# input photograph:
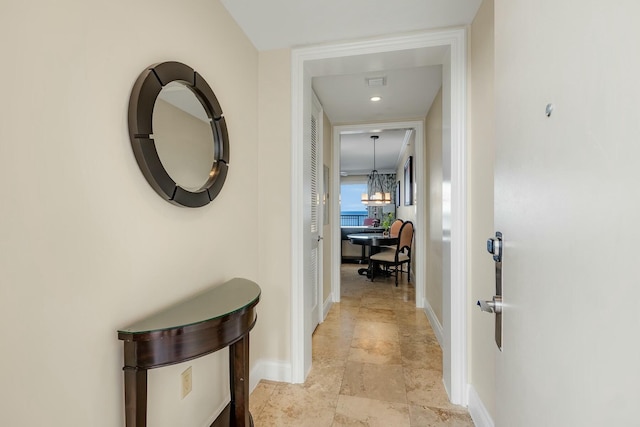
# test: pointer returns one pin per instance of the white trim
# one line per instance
(477, 410)
(405, 144)
(420, 230)
(456, 326)
(297, 232)
(327, 306)
(336, 235)
(434, 322)
(436, 38)
(458, 302)
(269, 370)
(318, 111)
(218, 411)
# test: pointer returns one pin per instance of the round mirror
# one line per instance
(178, 134)
(183, 136)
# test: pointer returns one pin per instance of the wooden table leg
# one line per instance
(135, 396)
(239, 377)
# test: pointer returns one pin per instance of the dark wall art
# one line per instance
(408, 182)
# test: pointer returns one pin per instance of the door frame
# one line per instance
(317, 108)
(455, 304)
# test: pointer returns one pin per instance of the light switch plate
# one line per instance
(187, 382)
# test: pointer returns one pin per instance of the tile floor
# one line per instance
(376, 362)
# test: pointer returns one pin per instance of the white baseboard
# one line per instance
(477, 410)
(327, 306)
(269, 370)
(263, 370)
(217, 412)
(435, 324)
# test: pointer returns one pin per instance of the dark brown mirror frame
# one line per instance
(143, 97)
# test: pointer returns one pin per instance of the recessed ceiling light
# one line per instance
(375, 98)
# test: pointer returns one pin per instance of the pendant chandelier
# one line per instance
(376, 195)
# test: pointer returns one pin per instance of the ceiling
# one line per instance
(406, 93)
(413, 77)
(356, 151)
(276, 24)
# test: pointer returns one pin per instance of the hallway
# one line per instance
(376, 362)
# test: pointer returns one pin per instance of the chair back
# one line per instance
(394, 230)
(369, 221)
(406, 237)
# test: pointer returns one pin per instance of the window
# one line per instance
(352, 211)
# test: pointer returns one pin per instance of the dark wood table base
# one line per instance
(374, 241)
(152, 344)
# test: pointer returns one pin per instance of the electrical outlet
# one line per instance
(187, 382)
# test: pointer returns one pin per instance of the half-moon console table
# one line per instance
(210, 321)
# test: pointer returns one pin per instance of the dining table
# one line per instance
(375, 241)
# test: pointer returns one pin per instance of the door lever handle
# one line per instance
(494, 306)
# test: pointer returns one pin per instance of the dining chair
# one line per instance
(370, 222)
(393, 260)
(394, 230)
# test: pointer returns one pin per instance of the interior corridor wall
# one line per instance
(481, 142)
(408, 212)
(434, 160)
(272, 334)
(327, 133)
(87, 246)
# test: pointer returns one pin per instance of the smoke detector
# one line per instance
(376, 81)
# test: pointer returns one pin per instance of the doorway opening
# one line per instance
(449, 48)
(413, 131)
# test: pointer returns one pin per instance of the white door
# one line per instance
(315, 264)
(567, 200)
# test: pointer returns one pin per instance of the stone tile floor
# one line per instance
(376, 363)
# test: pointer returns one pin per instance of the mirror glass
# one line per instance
(183, 136)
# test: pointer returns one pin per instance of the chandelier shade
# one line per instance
(376, 196)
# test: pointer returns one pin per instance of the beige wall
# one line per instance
(87, 246)
(481, 159)
(407, 213)
(271, 339)
(433, 153)
(327, 137)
